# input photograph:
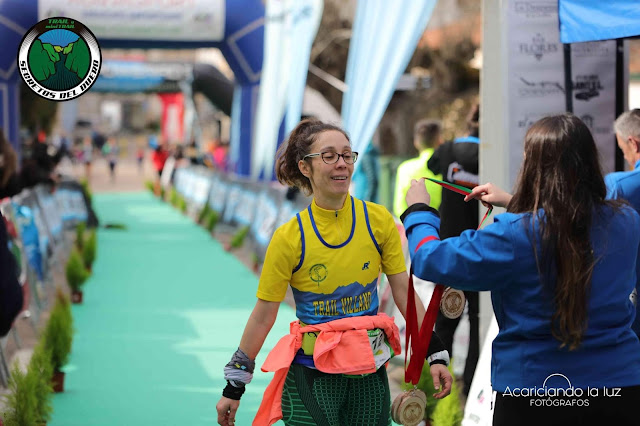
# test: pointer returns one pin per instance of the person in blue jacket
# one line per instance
(562, 265)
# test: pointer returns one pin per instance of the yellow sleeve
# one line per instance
(279, 262)
(388, 239)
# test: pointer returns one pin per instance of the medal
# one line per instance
(409, 407)
(452, 303)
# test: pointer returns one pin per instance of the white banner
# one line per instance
(593, 66)
(170, 20)
(536, 70)
(537, 79)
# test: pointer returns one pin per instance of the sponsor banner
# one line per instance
(245, 210)
(536, 85)
(266, 217)
(170, 20)
(218, 194)
(478, 410)
(233, 199)
(593, 75)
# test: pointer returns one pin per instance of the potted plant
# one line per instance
(212, 220)
(182, 204)
(41, 370)
(21, 402)
(238, 238)
(204, 213)
(80, 228)
(173, 197)
(76, 275)
(57, 337)
(89, 251)
(85, 187)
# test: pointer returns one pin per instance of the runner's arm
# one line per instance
(258, 326)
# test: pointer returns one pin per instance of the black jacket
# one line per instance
(457, 161)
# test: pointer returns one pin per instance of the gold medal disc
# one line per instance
(408, 409)
(452, 303)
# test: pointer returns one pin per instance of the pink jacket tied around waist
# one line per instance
(342, 347)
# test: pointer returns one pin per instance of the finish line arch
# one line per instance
(236, 27)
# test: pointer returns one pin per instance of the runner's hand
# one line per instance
(489, 193)
(442, 380)
(417, 193)
(227, 409)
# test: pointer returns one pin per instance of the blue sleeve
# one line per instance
(636, 323)
(612, 187)
(476, 260)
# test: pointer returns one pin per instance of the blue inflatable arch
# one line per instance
(241, 44)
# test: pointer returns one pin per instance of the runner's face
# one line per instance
(330, 179)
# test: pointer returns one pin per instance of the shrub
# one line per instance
(212, 220)
(448, 411)
(21, 402)
(41, 369)
(239, 237)
(173, 197)
(150, 186)
(58, 332)
(80, 228)
(75, 270)
(87, 191)
(204, 213)
(89, 250)
(182, 204)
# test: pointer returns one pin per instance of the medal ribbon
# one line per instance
(417, 340)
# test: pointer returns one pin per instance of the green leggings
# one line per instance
(311, 397)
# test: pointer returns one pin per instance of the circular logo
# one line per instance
(59, 59)
(318, 273)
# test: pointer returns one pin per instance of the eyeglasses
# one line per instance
(330, 157)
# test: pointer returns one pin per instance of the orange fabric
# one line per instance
(342, 347)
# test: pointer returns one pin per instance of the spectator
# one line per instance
(9, 178)
(427, 136)
(626, 185)
(457, 161)
(561, 265)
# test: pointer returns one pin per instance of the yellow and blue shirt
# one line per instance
(332, 259)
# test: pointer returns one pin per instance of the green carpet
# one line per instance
(162, 314)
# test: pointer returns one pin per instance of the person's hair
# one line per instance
(9, 160)
(561, 175)
(427, 132)
(295, 148)
(628, 124)
(473, 121)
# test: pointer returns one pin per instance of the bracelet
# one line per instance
(233, 392)
(441, 357)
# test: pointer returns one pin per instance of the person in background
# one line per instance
(457, 161)
(111, 150)
(427, 136)
(561, 265)
(158, 158)
(626, 185)
(9, 177)
(87, 156)
(331, 255)
(140, 158)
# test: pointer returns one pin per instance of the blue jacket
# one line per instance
(626, 186)
(500, 258)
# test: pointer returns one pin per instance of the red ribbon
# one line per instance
(417, 340)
